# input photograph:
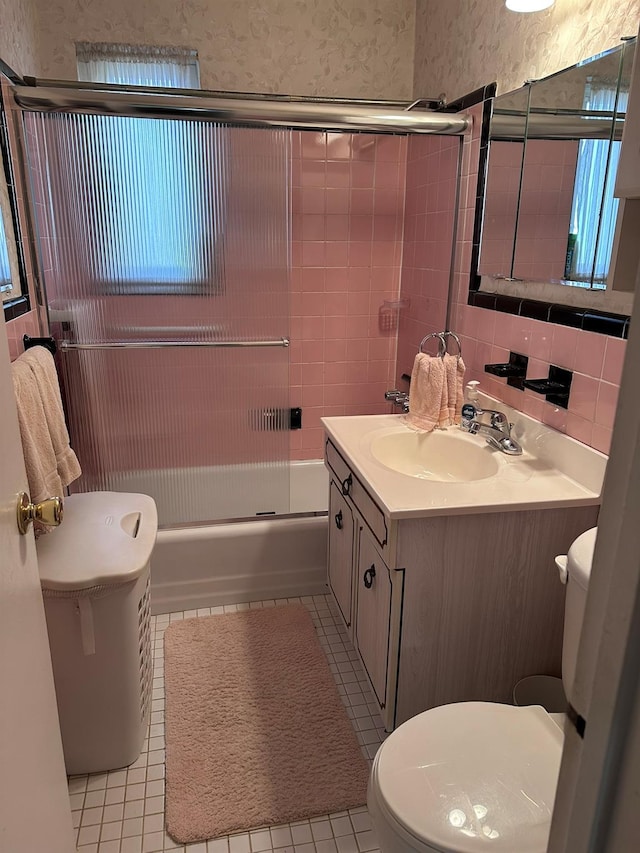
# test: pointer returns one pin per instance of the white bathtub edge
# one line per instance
(202, 567)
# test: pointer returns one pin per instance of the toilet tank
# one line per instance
(578, 569)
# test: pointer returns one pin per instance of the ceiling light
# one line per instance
(528, 5)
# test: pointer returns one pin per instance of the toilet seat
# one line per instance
(458, 777)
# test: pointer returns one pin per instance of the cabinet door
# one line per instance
(341, 552)
(373, 621)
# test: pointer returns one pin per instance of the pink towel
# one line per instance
(435, 394)
(428, 405)
(454, 377)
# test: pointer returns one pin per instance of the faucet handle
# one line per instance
(398, 398)
(498, 418)
(469, 412)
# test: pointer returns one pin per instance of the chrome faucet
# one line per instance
(398, 398)
(497, 431)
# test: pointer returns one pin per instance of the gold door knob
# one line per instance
(49, 512)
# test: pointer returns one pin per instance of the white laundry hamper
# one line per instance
(95, 576)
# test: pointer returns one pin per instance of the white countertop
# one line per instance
(553, 471)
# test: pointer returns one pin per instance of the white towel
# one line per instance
(50, 462)
(37, 446)
(43, 367)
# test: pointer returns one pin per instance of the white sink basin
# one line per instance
(413, 475)
(443, 456)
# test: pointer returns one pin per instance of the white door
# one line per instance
(35, 815)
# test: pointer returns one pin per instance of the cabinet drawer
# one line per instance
(351, 486)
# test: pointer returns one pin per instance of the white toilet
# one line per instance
(479, 775)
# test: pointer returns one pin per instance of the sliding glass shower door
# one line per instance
(165, 249)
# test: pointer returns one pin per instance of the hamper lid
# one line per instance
(105, 538)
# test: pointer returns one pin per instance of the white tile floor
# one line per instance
(123, 811)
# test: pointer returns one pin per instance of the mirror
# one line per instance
(10, 284)
(12, 277)
(549, 213)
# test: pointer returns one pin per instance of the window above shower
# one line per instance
(138, 65)
(149, 237)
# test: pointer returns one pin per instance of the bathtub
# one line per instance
(200, 564)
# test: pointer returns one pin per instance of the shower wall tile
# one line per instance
(27, 324)
(595, 359)
(347, 228)
(432, 163)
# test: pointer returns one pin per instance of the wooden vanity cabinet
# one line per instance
(447, 608)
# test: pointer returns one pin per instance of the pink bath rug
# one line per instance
(256, 732)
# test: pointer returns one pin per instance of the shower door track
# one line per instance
(72, 345)
(356, 117)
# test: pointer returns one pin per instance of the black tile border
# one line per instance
(16, 308)
(614, 325)
(603, 323)
(535, 310)
(483, 162)
(471, 99)
(565, 315)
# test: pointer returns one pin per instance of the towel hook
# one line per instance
(442, 344)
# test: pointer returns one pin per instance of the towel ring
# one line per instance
(456, 339)
(442, 344)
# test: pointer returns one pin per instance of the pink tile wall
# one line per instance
(488, 336)
(432, 165)
(347, 208)
(27, 324)
(545, 212)
(501, 207)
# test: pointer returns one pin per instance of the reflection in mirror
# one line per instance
(503, 185)
(12, 278)
(5, 269)
(10, 284)
(549, 210)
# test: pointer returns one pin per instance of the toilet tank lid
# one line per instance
(105, 538)
(580, 557)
